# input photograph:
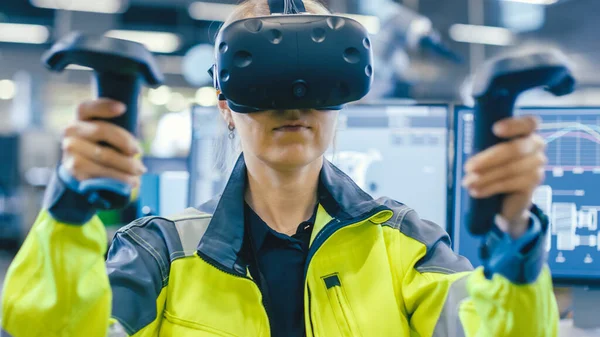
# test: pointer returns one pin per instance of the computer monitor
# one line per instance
(205, 179)
(164, 188)
(9, 164)
(398, 151)
(570, 194)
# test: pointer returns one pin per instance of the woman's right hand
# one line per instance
(83, 155)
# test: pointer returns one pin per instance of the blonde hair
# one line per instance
(226, 149)
(254, 8)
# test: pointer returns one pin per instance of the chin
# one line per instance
(293, 156)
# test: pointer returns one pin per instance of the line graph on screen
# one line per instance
(573, 143)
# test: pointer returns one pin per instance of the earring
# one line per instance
(231, 131)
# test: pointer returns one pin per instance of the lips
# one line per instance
(292, 127)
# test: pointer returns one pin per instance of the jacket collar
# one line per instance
(260, 232)
(223, 240)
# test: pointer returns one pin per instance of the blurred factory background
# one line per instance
(426, 52)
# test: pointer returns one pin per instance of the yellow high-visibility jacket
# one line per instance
(374, 269)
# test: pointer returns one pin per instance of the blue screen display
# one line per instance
(570, 194)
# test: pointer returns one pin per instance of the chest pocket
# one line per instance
(351, 288)
(342, 311)
(205, 301)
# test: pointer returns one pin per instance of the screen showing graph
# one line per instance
(570, 194)
(397, 151)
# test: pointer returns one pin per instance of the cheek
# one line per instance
(327, 127)
(253, 132)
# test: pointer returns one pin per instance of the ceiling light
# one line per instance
(23, 33)
(207, 96)
(160, 95)
(536, 2)
(481, 34)
(209, 11)
(159, 42)
(7, 89)
(96, 6)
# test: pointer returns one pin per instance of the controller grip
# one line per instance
(124, 88)
(106, 193)
(488, 110)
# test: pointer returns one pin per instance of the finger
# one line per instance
(100, 131)
(512, 169)
(100, 108)
(105, 156)
(83, 169)
(511, 185)
(502, 153)
(516, 126)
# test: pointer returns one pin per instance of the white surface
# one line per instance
(173, 188)
(568, 330)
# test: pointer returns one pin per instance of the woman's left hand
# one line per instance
(514, 168)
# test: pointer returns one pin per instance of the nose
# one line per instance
(290, 114)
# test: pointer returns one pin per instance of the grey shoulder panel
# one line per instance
(116, 330)
(139, 262)
(181, 232)
(439, 258)
(138, 268)
(449, 324)
(210, 206)
(155, 236)
(3, 333)
(191, 226)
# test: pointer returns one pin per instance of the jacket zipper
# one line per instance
(221, 268)
(328, 230)
(312, 328)
(341, 307)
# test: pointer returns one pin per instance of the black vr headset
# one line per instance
(299, 61)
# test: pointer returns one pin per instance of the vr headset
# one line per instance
(292, 60)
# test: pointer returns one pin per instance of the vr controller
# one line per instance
(120, 68)
(496, 88)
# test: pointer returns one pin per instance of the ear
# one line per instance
(225, 112)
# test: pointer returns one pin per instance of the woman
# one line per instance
(293, 247)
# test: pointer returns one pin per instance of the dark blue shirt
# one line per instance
(280, 274)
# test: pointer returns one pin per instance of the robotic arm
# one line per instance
(402, 30)
(413, 31)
